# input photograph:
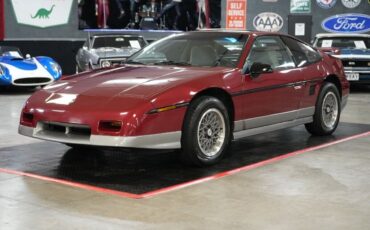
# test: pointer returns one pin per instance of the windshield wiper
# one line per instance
(171, 63)
(133, 62)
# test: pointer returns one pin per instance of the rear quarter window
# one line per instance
(303, 54)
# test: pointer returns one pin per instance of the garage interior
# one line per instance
(286, 179)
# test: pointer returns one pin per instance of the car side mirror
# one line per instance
(258, 68)
(28, 56)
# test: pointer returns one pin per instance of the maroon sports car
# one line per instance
(196, 92)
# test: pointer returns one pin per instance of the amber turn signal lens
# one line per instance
(166, 108)
(110, 126)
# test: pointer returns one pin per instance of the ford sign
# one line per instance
(347, 23)
(268, 22)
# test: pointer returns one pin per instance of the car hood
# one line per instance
(109, 86)
(20, 63)
(113, 52)
(354, 53)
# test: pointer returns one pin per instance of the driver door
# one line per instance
(271, 97)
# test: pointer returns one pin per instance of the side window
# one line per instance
(302, 53)
(270, 50)
(312, 55)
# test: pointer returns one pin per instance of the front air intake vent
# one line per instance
(36, 80)
(63, 131)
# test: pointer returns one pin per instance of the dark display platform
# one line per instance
(142, 172)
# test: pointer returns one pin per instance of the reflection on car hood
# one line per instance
(113, 89)
(114, 52)
(132, 81)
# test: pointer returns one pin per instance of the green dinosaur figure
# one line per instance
(43, 13)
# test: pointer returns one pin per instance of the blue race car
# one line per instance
(26, 71)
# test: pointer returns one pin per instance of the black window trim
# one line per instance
(295, 39)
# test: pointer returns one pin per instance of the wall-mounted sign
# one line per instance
(42, 13)
(351, 3)
(300, 6)
(268, 22)
(299, 29)
(326, 4)
(347, 23)
(236, 14)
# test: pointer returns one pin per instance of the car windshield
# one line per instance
(10, 51)
(345, 42)
(194, 49)
(118, 42)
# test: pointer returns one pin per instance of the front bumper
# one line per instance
(364, 74)
(170, 140)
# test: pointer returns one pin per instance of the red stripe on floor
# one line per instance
(70, 183)
(183, 185)
(249, 167)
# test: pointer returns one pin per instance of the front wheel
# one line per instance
(327, 111)
(206, 132)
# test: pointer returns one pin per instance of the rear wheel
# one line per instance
(206, 132)
(327, 111)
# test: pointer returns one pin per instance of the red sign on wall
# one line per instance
(236, 14)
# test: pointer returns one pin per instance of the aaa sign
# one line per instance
(236, 12)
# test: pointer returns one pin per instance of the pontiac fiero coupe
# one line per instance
(196, 92)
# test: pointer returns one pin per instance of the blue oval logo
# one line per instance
(347, 23)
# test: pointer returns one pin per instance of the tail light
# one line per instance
(110, 126)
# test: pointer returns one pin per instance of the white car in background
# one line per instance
(352, 49)
(106, 50)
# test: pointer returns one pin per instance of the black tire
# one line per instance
(320, 125)
(216, 138)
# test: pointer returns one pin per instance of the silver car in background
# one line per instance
(101, 51)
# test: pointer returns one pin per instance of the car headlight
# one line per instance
(105, 64)
(56, 68)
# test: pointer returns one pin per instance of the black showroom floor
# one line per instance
(326, 186)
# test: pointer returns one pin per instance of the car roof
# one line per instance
(248, 32)
(330, 35)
